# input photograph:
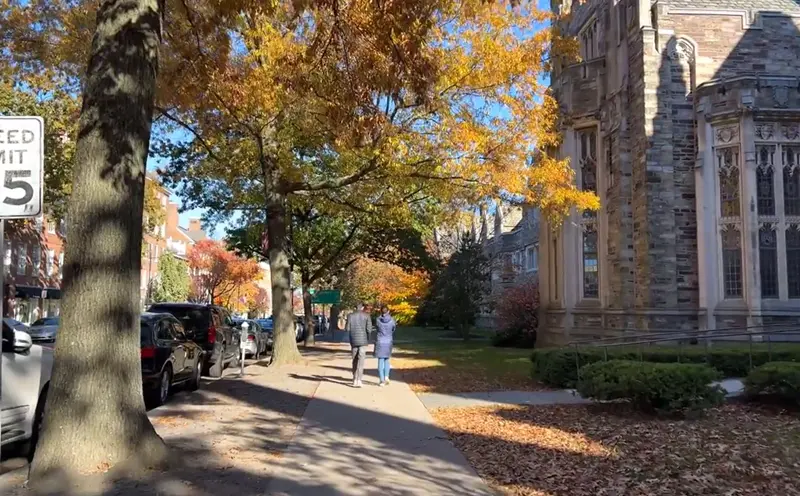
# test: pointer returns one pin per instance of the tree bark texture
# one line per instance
(308, 315)
(95, 414)
(284, 350)
(334, 318)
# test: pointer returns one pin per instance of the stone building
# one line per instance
(684, 117)
(511, 243)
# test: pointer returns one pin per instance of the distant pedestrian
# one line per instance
(359, 326)
(383, 344)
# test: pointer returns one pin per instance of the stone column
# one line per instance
(750, 253)
(707, 229)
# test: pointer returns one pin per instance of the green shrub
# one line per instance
(556, 367)
(777, 379)
(669, 388)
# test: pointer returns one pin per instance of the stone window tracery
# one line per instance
(587, 162)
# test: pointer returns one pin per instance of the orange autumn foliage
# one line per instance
(220, 275)
(380, 283)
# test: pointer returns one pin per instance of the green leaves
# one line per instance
(173, 279)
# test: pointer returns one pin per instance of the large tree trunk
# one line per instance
(285, 347)
(95, 413)
(334, 318)
(308, 314)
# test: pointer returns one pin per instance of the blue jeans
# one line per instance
(383, 369)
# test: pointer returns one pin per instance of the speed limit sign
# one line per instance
(21, 166)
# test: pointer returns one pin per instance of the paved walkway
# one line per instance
(370, 441)
(733, 387)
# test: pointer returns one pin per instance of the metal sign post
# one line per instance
(242, 343)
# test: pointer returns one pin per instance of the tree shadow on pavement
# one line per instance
(231, 438)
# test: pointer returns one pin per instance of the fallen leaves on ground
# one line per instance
(428, 374)
(608, 450)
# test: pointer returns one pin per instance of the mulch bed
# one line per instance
(597, 450)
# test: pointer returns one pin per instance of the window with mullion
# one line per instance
(768, 257)
(728, 174)
(793, 260)
(587, 161)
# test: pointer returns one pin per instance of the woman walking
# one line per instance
(383, 344)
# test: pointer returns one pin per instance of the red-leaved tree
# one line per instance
(516, 312)
(217, 272)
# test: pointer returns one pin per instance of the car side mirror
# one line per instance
(22, 342)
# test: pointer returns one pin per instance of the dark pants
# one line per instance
(359, 356)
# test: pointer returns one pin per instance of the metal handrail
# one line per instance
(687, 334)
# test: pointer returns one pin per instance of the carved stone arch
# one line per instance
(682, 49)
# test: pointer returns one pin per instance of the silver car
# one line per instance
(44, 330)
(17, 325)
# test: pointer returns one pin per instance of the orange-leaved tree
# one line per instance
(381, 283)
(219, 275)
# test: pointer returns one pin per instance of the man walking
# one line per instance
(359, 326)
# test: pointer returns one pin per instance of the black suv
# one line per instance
(211, 327)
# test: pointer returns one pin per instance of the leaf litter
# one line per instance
(580, 450)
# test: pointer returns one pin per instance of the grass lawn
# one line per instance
(607, 450)
(431, 360)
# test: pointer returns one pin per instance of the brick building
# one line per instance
(684, 117)
(34, 256)
(33, 259)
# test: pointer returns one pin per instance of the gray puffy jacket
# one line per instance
(359, 325)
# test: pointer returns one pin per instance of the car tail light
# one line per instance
(212, 335)
(251, 338)
(149, 352)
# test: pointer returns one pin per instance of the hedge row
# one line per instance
(780, 380)
(557, 367)
(664, 388)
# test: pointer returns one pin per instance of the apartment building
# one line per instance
(33, 258)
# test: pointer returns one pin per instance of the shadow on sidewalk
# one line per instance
(245, 461)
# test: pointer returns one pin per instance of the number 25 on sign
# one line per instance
(21, 166)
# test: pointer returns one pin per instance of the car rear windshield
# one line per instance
(193, 319)
(46, 321)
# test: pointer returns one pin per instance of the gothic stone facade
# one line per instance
(684, 117)
(512, 247)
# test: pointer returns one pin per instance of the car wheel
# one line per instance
(235, 360)
(215, 370)
(30, 445)
(164, 384)
(198, 372)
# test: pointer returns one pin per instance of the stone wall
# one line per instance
(643, 97)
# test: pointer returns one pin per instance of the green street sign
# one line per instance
(312, 291)
(327, 297)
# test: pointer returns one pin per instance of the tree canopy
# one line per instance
(217, 273)
(347, 106)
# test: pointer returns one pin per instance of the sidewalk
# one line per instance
(370, 441)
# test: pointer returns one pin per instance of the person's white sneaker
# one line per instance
(355, 383)
(359, 384)
(381, 384)
(386, 382)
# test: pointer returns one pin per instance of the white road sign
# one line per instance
(21, 166)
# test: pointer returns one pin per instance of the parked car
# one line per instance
(169, 357)
(24, 379)
(268, 326)
(299, 328)
(256, 344)
(320, 324)
(209, 326)
(17, 325)
(44, 330)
